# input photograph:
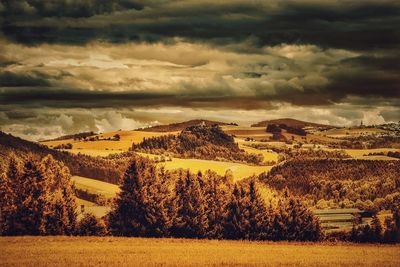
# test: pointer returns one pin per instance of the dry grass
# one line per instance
(111, 251)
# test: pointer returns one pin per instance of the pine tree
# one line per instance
(191, 217)
(236, 223)
(30, 201)
(389, 235)
(140, 208)
(216, 192)
(257, 213)
(9, 183)
(60, 215)
(376, 229)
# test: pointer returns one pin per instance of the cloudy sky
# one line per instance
(79, 65)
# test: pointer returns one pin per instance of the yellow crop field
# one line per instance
(268, 156)
(239, 170)
(363, 153)
(113, 251)
(351, 132)
(94, 186)
(127, 138)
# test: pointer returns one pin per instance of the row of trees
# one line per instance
(154, 204)
(376, 233)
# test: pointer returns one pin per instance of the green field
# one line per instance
(111, 251)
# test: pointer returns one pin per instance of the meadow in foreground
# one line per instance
(113, 251)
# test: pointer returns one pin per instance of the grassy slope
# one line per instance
(94, 186)
(110, 251)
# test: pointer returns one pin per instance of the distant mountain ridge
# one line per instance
(291, 123)
(180, 126)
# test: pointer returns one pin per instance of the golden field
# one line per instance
(239, 170)
(112, 251)
(343, 132)
(127, 138)
(94, 186)
(363, 153)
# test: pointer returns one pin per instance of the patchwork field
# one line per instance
(112, 251)
(343, 132)
(127, 138)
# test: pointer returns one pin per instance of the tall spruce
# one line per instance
(191, 211)
(258, 228)
(236, 223)
(216, 192)
(31, 201)
(9, 183)
(140, 208)
(60, 215)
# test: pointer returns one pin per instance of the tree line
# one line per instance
(37, 198)
(151, 203)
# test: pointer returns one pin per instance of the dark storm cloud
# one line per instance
(367, 76)
(360, 25)
(10, 79)
(65, 8)
(73, 98)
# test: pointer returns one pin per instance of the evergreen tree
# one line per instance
(9, 184)
(376, 229)
(31, 201)
(60, 216)
(191, 217)
(236, 224)
(140, 208)
(216, 192)
(257, 214)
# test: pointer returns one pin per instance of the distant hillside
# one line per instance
(173, 127)
(291, 123)
(72, 136)
(201, 142)
(104, 169)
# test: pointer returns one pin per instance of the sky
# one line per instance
(70, 66)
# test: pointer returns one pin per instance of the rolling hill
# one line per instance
(173, 127)
(291, 123)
